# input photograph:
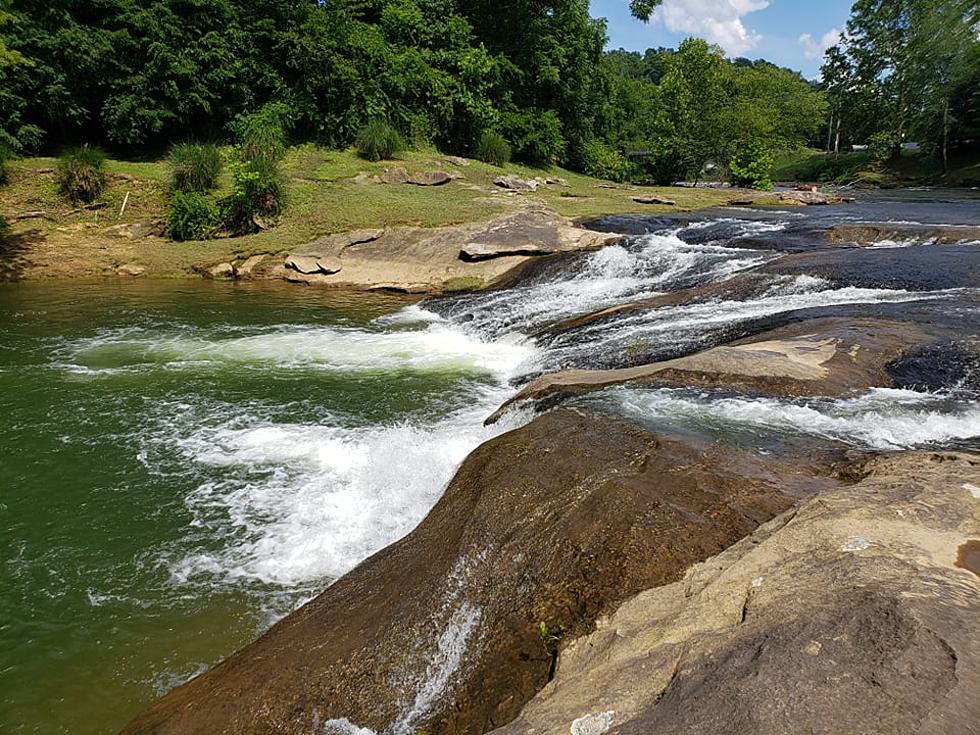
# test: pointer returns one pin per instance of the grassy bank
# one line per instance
(59, 239)
(911, 168)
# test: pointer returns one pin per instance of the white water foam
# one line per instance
(613, 275)
(693, 324)
(435, 346)
(885, 419)
(306, 503)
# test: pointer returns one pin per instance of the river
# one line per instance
(183, 463)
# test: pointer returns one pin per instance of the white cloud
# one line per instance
(719, 21)
(816, 49)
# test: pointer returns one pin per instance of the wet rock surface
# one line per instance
(849, 614)
(821, 357)
(554, 523)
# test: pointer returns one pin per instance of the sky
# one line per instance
(792, 33)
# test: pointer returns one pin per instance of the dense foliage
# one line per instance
(191, 215)
(257, 197)
(907, 71)
(81, 174)
(140, 76)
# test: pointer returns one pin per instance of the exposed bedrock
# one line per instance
(817, 357)
(856, 613)
(556, 523)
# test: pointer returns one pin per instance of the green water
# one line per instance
(181, 464)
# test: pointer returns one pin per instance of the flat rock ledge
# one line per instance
(820, 357)
(856, 613)
(556, 522)
(430, 260)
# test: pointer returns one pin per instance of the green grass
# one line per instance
(320, 200)
(912, 167)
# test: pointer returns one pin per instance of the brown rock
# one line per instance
(456, 160)
(556, 523)
(809, 198)
(363, 179)
(222, 272)
(429, 178)
(303, 263)
(531, 232)
(515, 183)
(246, 269)
(654, 200)
(847, 615)
(131, 269)
(397, 175)
(821, 357)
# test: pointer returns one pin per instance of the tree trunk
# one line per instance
(946, 135)
(837, 139)
(830, 132)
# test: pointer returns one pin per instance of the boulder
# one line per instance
(311, 264)
(654, 200)
(554, 524)
(456, 160)
(429, 178)
(515, 183)
(222, 272)
(397, 175)
(531, 232)
(136, 230)
(820, 357)
(847, 615)
(303, 263)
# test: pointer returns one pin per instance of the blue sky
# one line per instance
(790, 33)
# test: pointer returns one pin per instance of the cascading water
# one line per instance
(253, 457)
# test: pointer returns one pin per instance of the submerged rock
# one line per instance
(798, 629)
(452, 629)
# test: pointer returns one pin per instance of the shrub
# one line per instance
(604, 162)
(258, 192)
(883, 146)
(751, 167)
(535, 137)
(5, 156)
(194, 167)
(191, 216)
(669, 161)
(378, 141)
(81, 174)
(492, 148)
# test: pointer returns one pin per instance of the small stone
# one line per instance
(222, 272)
(973, 490)
(250, 264)
(593, 724)
(131, 269)
(515, 183)
(396, 175)
(429, 178)
(855, 543)
(757, 582)
(364, 178)
(814, 648)
(306, 264)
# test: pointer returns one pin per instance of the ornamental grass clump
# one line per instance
(81, 174)
(493, 148)
(194, 167)
(191, 215)
(378, 141)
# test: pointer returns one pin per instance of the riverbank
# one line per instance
(328, 192)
